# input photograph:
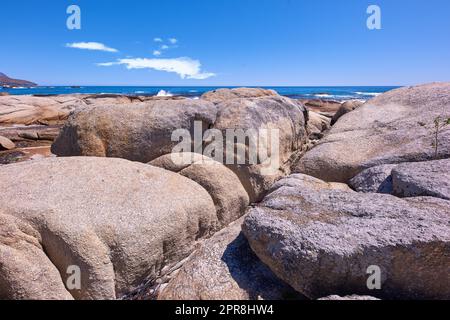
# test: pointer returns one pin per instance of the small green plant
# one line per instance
(439, 124)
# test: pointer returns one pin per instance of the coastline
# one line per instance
(357, 186)
(339, 93)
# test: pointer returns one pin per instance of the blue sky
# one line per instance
(237, 42)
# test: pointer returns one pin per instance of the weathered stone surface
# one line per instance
(6, 144)
(224, 187)
(120, 222)
(220, 95)
(395, 127)
(323, 107)
(302, 181)
(346, 107)
(322, 242)
(286, 116)
(431, 178)
(139, 132)
(317, 124)
(408, 179)
(349, 298)
(55, 109)
(143, 132)
(225, 268)
(376, 179)
(33, 110)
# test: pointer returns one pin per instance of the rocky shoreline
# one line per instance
(89, 181)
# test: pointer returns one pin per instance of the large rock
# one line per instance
(6, 144)
(408, 179)
(225, 268)
(395, 127)
(220, 95)
(143, 132)
(376, 179)
(323, 107)
(346, 107)
(322, 242)
(317, 125)
(224, 187)
(285, 116)
(120, 222)
(431, 178)
(139, 132)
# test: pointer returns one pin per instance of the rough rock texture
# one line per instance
(33, 110)
(220, 95)
(322, 242)
(431, 178)
(143, 132)
(349, 298)
(279, 113)
(317, 124)
(376, 179)
(225, 268)
(54, 109)
(394, 127)
(224, 187)
(302, 181)
(346, 107)
(324, 107)
(120, 222)
(408, 179)
(139, 132)
(6, 144)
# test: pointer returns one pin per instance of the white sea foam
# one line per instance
(164, 93)
(373, 94)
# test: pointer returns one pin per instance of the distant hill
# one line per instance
(6, 81)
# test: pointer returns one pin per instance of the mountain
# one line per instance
(8, 82)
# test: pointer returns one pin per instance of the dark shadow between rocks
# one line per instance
(253, 276)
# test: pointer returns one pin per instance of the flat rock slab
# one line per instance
(322, 242)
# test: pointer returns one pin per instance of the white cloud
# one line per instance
(157, 53)
(90, 46)
(173, 40)
(164, 47)
(185, 67)
(157, 40)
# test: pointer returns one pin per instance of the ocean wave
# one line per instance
(164, 93)
(139, 92)
(372, 94)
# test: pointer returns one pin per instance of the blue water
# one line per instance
(329, 93)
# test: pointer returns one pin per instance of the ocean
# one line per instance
(328, 93)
